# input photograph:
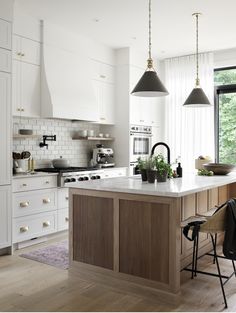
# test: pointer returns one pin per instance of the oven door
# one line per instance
(140, 146)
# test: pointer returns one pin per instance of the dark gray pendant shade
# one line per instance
(197, 98)
(149, 85)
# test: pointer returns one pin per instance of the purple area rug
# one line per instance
(55, 255)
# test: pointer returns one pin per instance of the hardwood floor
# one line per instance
(27, 285)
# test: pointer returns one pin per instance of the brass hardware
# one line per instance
(24, 185)
(24, 229)
(67, 219)
(141, 121)
(47, 182)
(24, 204)
(67, 198)
(19, 109)
(18, 53)
(102, 76)
(22, 110)
(46, 224)
(46, 200)
(22, 54)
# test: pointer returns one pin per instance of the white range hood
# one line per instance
(66, 84)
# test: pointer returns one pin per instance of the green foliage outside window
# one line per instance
(227, 117)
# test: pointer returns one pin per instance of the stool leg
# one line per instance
(196, 254)
(218, 268)
(193, 259)
(234, 267)
(214, 259)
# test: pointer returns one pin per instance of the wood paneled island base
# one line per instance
(136, 237)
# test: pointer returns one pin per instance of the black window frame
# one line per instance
(221, 89)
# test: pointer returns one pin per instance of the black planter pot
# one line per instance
(144, 175)
(161, 177)
(151, 176)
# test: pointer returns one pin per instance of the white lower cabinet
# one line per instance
(63, 219)
(32, 226)
(5, 216)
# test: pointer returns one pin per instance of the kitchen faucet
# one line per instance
(162, 144)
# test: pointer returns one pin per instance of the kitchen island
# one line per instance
(129, 229)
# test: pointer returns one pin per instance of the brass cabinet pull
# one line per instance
(102, 76)
(46, 224)
(46, 200)
(47, 182)
(24, 229)
(141, 121)
(67, 198)
(67, 219)
(24, 204)
(24, 185)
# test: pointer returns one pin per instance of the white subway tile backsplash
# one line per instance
(78, 152)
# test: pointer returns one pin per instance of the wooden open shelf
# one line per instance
(18, 136)
(94, 138)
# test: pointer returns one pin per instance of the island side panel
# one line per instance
(93, 230)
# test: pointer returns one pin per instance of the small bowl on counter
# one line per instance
(219, 168)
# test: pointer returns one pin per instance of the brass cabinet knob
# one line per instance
(22, 110)
(24, 185)
(67, 219)
(24, 204)
(102, 76)
(18, 53)
(22, 54)
(46, 200)
(47, 182)
(19, 109)
(24, 229)
(67, 198)
(46, 224)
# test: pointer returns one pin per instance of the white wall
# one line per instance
(225, 58)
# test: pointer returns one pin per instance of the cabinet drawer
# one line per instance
(25, 203)
(29, 227)
(63, 198)
(5, 60)
(34, 183)
(63, 219)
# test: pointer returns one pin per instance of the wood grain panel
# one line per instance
(232, 190)
(144, 239)
(223, 194)
(93, 230)
(202, 207)
(213, 197)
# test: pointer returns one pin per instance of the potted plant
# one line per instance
(142, 165)
(151, 170)
(163, 168)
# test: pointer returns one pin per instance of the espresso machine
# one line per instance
(103, 157)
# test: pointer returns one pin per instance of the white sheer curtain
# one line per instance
(189, 131)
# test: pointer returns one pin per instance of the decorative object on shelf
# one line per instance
(197, 97)
(202, 160)
(47, 138)
(93, 138)
(25, 131)
(163, 168)
(149, 84)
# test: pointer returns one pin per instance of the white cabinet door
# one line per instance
(5, 60)
(26, 50)
(5, 126)
(5, 34)
(103, 72)
(105, 97)
(26, 89)
(5, 216)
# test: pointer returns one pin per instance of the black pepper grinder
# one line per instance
(179, 170)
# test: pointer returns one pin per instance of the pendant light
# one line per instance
(197, 97)
(149, 84)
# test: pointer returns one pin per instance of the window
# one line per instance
(225, 114)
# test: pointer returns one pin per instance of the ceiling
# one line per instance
(122, 23)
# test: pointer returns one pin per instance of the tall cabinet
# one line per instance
(5, 129)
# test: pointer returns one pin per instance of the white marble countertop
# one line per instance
(35, 174)
(175, 187)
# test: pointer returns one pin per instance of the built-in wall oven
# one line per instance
(140, 144)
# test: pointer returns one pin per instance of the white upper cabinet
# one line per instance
(26, 50)
(5, 128)
(103, 77)
(5, 35)
(5, 60)
(26, 89)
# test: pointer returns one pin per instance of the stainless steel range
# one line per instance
(71, 175)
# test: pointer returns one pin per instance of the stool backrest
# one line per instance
(215, 223)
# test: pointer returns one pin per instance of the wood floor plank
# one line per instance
(30, 286)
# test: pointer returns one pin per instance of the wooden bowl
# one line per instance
(219, 168)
